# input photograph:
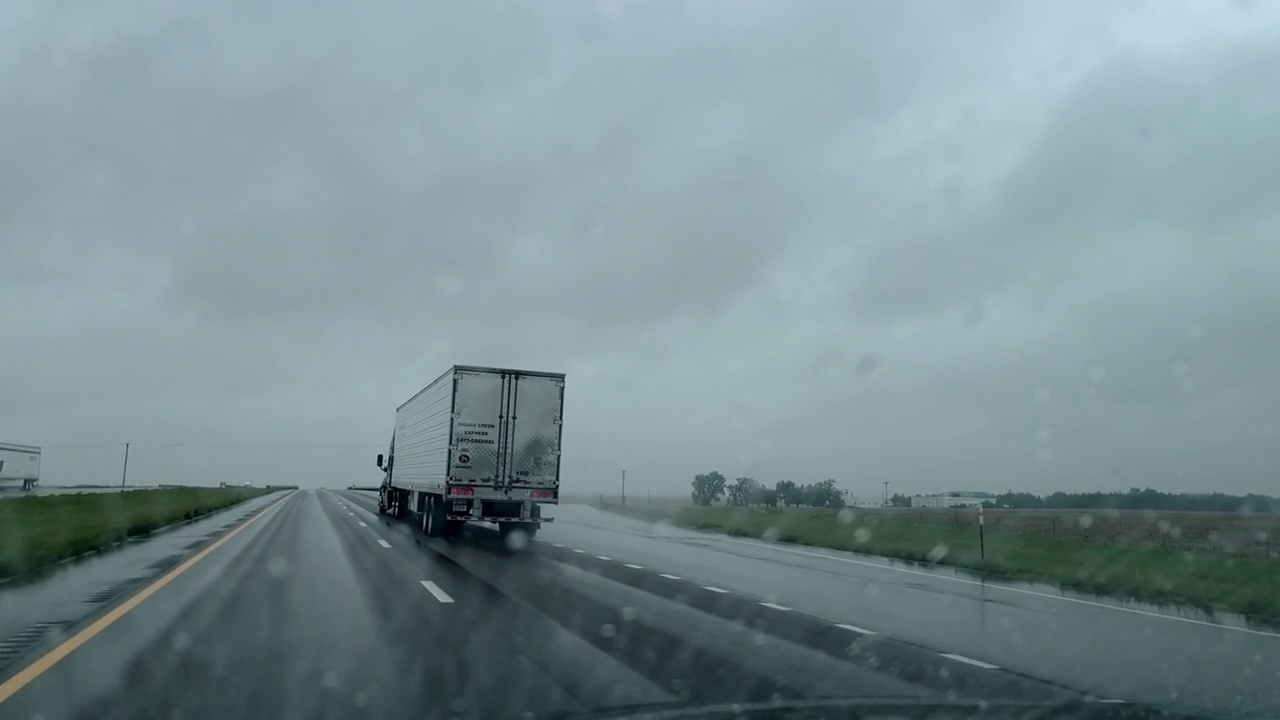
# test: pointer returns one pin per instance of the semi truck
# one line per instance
(19, 466)
(478, 444)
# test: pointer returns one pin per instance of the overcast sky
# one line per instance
(976, 245)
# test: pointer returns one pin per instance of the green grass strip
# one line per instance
(1205, 580)
(39, 531)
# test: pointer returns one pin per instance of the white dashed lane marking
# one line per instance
(669, 577)
(602, 557)
(434, 589)
(580, 552)
(970, 661)
(633, 566)
(384, 543)
(363, 525)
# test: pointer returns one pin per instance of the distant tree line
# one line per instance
(712, 487)
(709, 488)
(1142, 499)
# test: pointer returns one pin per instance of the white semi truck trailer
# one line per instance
(19, 466)
(478, 444)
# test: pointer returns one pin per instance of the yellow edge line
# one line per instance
(51, 658)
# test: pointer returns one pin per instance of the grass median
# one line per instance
(1207, 580)
(39, 531)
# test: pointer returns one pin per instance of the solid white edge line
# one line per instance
(714, 589)
(986, 585)
(633, 566)
(775, 606)
(384, 543)
(434, 589)
(855, 628)
(669, 577)
(970, 661)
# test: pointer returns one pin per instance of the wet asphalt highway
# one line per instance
(309, 604)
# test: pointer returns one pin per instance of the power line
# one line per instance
(282, 446)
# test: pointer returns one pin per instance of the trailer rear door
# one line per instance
(533, 435)
(478, 413)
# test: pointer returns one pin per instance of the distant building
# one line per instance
(953, 499)
(863, 502)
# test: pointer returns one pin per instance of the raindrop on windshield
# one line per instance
(938, 552)
(1097, 372)
(867, 364)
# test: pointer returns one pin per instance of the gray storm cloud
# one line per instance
(991, 245)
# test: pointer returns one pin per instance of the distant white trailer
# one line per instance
(19, 466)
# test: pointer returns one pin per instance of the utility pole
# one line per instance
(624, 487)
(124, 474)
(886, 493)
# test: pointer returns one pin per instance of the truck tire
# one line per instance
(435, 518)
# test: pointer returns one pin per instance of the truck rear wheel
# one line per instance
(435, 518)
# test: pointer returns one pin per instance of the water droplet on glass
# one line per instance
(1043, 434)
(1195, 331)
(450, 284)
(1085, 521)
(758, 639)
(628, 613)
(517, 540)
(845, 516)
(1044, 456)
(278, 567)
(607, 630)
(330, 679)
(1041, 395)
(1097, 372)
(862, 534)
(938, 552)
(361, 698)
(181, 641)
(770, 535)
(974, 316)
(1179, 368)
(867, 364)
